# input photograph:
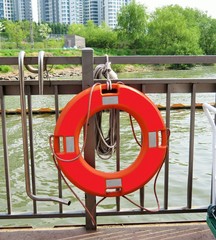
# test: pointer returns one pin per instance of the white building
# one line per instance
(69, 11)
(63, 11)
(91, 11)
(80, 11)
(16, 10)
(7, 9)
(23, 9)
(110, 10)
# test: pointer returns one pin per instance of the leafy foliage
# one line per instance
(171, 33)
(5, 69)
(44, 30)
(96, 36)
(208, 36)
(16, 32)
(132, 25)
(170, 30)
(2, 27)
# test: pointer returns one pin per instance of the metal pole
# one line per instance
(25, 137)
(207, 108)
(5, 147)
(40, 71)
(166, 165)
(89, 152)
(191, 147)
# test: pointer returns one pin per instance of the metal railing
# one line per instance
(57, 88)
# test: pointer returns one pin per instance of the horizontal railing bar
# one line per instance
(47, 60)
(101, 214)
(9, 60)
(116, 60)
(151, 85)
(157, 59)
(126, 81)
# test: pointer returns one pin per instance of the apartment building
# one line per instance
(80, 11)
(91, 11)
(110, 10)
(63, 11)
(23, 9)
(7, 9)
(16, 10)
(2, 9)
(70, 11)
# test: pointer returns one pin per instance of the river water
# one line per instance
(46, 173)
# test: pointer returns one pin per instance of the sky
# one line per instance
(34, 13)
(208, 6)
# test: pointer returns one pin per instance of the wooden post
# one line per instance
(89, 152)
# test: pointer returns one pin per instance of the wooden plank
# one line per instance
(186, 231)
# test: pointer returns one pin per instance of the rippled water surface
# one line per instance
(46, 173)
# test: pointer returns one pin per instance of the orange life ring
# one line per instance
(71, 121)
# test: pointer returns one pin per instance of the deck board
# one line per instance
(183, 231)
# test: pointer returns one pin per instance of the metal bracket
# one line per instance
(25, 137)
(40, 70)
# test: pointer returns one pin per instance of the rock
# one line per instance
(13, 78)
(31, 77)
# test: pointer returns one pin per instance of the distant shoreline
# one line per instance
(76, 71)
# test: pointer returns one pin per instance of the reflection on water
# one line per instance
(47, 174)
(196, 72)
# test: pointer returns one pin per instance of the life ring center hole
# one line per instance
(118, 140)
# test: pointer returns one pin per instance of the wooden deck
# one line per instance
(183, 231)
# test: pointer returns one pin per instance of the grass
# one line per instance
(5, 68)
(53, 52)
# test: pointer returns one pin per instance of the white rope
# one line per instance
(85, 131)
(105, 70)
(106, 146)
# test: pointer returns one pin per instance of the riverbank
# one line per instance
(76, 71)
(49, 74)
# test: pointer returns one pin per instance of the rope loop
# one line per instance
(106, 145)
(105, 70)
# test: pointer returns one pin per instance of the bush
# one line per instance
(118, 68)
(5, 69)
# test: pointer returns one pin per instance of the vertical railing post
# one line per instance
(166, 165)
(5, 147)
(191, 147)
(56, 97)
(89, 152)
(31, 146)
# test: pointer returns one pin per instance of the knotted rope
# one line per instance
(106, 145)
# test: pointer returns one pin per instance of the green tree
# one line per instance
(15, 32)
(207, 26)
(77, 29)
(132, 25)
(171, 33)
(95, 36)
(44, 31)
(106, 37)
(91, 33)
(58, 28)
(2, 28)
